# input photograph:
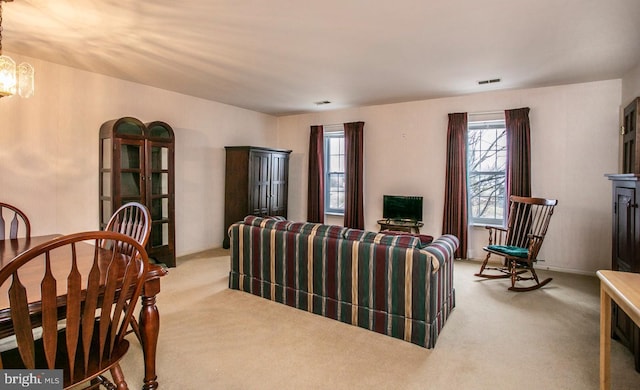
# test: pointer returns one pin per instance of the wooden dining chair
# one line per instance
(16, 223)
(132, 219)
(519, 243)
(88, 289)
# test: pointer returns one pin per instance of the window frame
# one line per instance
(479, 125)
(332, 132)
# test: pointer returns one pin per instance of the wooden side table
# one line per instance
(402, 225)
(624, 289)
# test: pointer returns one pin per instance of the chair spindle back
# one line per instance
(95, 290)
(15, 220)
(132, 219)
(529, 220)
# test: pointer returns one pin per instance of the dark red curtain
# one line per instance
(455, 193)
(518, 152)
(353, 155)
(315, 191)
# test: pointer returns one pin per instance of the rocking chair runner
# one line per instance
(520, 242)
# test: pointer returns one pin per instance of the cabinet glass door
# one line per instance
(131, 176)
(160, 193)
(106, 148)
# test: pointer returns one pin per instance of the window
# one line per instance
(334, 169)
(486, 170)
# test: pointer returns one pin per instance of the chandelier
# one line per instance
(14, 79)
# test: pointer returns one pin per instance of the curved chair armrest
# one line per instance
(497, 234)
(495, 228)
(535, 242)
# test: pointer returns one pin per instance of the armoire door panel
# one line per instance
(279, 179)
(624, 222)
(625, 256)
(255, 184)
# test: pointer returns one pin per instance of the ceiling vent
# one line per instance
(482, 82)
(322, 103)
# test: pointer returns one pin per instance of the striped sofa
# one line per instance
(386, 283)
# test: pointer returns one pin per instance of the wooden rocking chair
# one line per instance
(520, 242)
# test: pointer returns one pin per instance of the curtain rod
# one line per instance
(333, 128)
(487, 112)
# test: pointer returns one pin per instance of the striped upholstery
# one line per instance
(378, 282)
(443, 248)
(269, 222)
(317, 229)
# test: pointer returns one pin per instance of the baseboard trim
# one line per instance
(541, 266)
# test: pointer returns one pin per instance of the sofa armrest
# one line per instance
(442, 249)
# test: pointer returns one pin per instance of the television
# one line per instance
(397, 207)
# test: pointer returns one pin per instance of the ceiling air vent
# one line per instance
(322, 103)
(482, 82)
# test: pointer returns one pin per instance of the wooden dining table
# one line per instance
(149, 318)
(623, 288)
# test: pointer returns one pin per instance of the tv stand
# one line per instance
(403, 225)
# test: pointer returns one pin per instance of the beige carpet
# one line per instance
(215, 338)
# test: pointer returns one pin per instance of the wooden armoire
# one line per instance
(137, 165)
(256, 183)
(625, 241)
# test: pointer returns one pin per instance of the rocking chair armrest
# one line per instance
(497, 234)
(533, 238)
(499, 228)
(535, 242)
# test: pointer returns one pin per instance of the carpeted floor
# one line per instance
(215, 338)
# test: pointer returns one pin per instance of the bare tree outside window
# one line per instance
(486, 167)
(335, 175)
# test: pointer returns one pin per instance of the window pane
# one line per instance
(159, 158)
(334, 172)
(340, 201)
(130, 157)
(337, 144)
(130, 184)
(486, 165)
(106, 153)
(334, 164)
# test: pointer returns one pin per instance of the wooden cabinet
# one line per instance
(256, 183)
(137, 164)
(626, 251)
(630, 138)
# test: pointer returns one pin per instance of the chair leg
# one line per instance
(136, 329)
(484, 264)
(503, 272)
(534, 276)
(513, 267)
(118, 377)
(101, 380)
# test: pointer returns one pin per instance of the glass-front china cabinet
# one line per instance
(137, 165)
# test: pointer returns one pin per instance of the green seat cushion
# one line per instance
(510, 250)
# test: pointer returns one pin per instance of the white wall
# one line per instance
(574, 143)
(631, 85)
(49, 150)
(49, 154)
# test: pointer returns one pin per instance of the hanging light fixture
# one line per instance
(14, 79)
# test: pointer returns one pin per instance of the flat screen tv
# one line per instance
(402, 207)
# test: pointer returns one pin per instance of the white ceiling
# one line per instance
(281, 56)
